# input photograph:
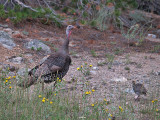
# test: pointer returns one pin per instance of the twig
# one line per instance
(13, 4)
(23, 5)
(50, 8)
(5, 3)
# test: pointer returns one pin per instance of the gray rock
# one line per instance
(15, 60)
(37, 44)
(4, 26)
(93, 72)
(119, 79)
(23, 71)
(8, 30)
(95, 68)
(127, 90)
(6, 40)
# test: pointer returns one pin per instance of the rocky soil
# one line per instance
(25, 45)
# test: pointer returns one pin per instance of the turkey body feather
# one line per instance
(56, 65)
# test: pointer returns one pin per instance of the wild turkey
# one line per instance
(139, 89)
(55, 66)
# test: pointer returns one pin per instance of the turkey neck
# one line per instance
(65, 45)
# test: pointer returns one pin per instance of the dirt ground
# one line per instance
(133, 63)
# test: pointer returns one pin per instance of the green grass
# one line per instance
(33, 103)
(93, 53)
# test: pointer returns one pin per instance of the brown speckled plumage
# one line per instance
(56, 65)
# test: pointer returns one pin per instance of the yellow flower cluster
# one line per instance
(93, 90)
(78, 68)
(44, 99)
(92, 105)
(120, 108)
(88, 92)
(155, 100)
(8, 78)
(40, 96)
(90, 65)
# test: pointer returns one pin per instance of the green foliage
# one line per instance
(2, 12)
(39, 49)
(19, 14)
(93, 53)
(110, 60)
(155, 49)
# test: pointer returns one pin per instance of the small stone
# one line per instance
(95, 68)
(4, 26)
(93, 72)
(36, 44)
(120, 79)
(8, 30)
(15, 60)
(25, 32)
(152, 35)
(6, 40)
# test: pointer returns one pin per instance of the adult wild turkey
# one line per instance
(139, 89)
(55, 66)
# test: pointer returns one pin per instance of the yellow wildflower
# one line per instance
(111, 115)
(90, 65)
(105, 100)
(81, 66)
(121, 108)
(9, 77)
(156, 110)
(10, 87)
(50, 102)
(106, 103)
(106, 110)
(89, 92)
(43, 100)
(59, 80)
(14, 76)
(10, 82)
(55, 94)
(40, 96)
(78, 68)
(46, 99)
(109, 119)
(6, 81)
(93, 90)
(92, 105)
(156, 100)
(153, 101)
